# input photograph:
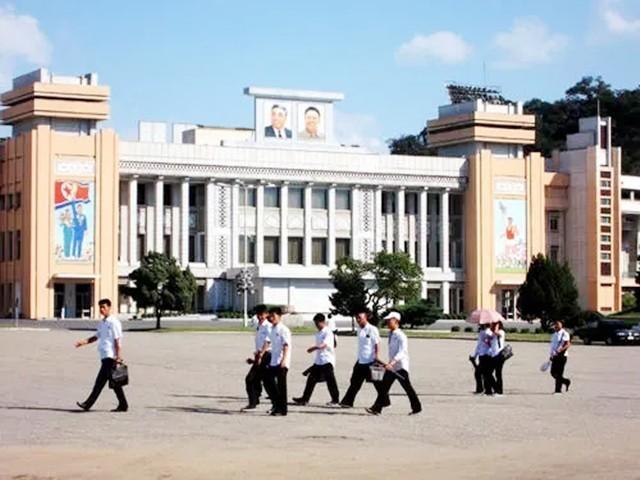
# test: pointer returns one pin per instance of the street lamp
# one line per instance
(244, 281)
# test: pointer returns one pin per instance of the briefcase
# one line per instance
(119, 376)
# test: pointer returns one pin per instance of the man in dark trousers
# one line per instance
(276, 379)
(109, 338)
(323, 365)
(560, 343)
(368, 342)
(261, 358)
(397, 368)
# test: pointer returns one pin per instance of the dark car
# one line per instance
(611, 332)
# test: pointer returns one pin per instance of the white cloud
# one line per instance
(528, 43)
(616, 22)
(446, 47)
(359, 129)
(21, 41)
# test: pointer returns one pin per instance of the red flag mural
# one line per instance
(74, 211)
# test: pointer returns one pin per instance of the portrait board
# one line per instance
(74, 221)
(311, 122)
(278, 120)
(510, 235)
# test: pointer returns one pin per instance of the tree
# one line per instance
(419, 312)
(160, 283)
(410, 145)
(388, 280)
(549, 292)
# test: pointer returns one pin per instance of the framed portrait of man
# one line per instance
(277, 120)
(311, 122)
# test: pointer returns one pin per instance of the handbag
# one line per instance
(506, 353)
(119, 376)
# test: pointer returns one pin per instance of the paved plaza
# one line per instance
(188, 388)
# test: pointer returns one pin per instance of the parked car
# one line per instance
(611, 332)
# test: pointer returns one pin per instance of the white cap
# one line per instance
(393, 315)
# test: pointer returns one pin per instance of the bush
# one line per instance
(538, 330)
(420, 312)
(628, 301)
(512, 330)
(229, 314)
(468, 329)
(582, 318)
(455, 328)
(525, 330)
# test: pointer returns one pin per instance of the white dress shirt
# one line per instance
(484, 343)
(368, 338)
(557, 340)
(331, 323)
(399, 350)
(497, 343)
(327, 354)
(108, 331)
(263, 332)
(280, 336)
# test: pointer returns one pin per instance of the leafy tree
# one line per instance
(411, 145)
(377, 285)
(159, 282)
(549, 292)
(555, 120)
(419, 312)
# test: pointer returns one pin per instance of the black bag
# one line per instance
(506, 353)
(119, 376)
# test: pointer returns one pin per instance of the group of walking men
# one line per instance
(272, 358)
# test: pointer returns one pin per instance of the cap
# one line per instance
(393, 315)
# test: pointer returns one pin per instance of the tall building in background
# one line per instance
(79, 208)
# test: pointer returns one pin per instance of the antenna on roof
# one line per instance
(466, 93)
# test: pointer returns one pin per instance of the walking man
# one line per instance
(276, 379)
(261, 358)
(560, 343)
(323, 365)
(396, 369)
(368, 343)
(109, 338)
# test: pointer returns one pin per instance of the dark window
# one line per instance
(553, 223)
(626, 194)
(411, 203)
(248, 194)
(272, 197)
(319, 251)
(319, 198)
(10, 201)
(142, 194)
(140, 250)
(343, 200)
(554, 252)
(605, 211)
(605, 174)
(251, 249)
(296, 197)
(271, 249)
(166, 195)
(167, 245)
(295, 245)
(1, 246)
(388, 202)
(604, 136)
(2, 202)
(9, 246)
(343, 248)
(18, 244)
(605, 269)
(18, 199)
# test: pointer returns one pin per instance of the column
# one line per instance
(260, 225)
(133, 220)
(391, 224)
(378, 219)
(355, 222)
(124, 225)
(175, 222)
(331, 225)
(400, 220)
(184, 222)
(444, 230)
(444, 297)
(209, 227)
(235, 225)
(308, 213)
(159, 218)
(284, 227)
(422, 237)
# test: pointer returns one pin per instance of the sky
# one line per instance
(189, 61)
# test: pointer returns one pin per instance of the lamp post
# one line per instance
(244, 281)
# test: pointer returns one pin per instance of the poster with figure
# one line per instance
(277, 118)
(74, 212)
(510, 235)
(310, 122)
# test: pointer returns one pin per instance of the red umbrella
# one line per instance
(484, 316)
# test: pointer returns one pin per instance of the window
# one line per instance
(605, 183)
(343, 248)
(553, 223)
(2, 200)
(605, 269)
(18, 199)
(166, 194)
(167, 245)
(248, 195)
(319, 251)
(10, 201)
(272, 197)
(388, 202)
(319, 198)
(433, 294)
(1, 246)
(343, 200)
(142, 194)
(140, 250)
(605, 238)
(606, 220)
(271, 249)
(251, 249)
(296, 197)
(9, 246)
(411, 203)
(18, 244)
(605, 201)
(605, 256)
(554, 251)
(295, 245)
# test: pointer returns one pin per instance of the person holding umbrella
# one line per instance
(485, 318)
(498, 340)
(396, 369)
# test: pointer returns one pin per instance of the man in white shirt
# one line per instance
(368, 343)
(331, 323)
(485, 364)
(261, 358)
(323, 365)
(276, 378)
(109, 338)
(560, 343)
(397, 368)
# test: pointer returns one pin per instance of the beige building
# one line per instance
(79, 207)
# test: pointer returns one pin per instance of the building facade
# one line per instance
(286, 200)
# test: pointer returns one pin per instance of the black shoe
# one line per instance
(567, 384)
(372, 411)
(120, 409)
(345, 405)
(83, 406)
(250, 407)
(415, 412)
(278, 414)
(299, 401)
